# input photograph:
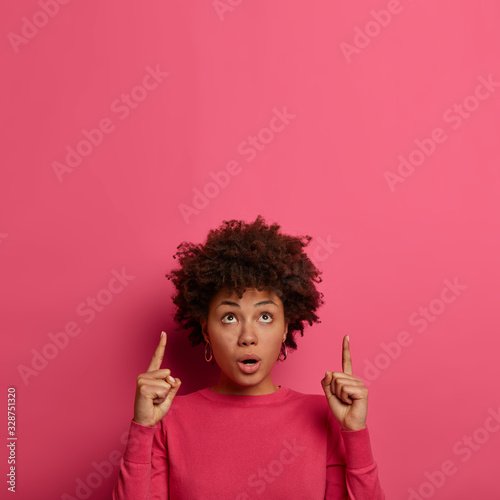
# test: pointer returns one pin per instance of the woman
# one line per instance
(246, 293)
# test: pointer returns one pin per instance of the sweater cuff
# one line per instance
(139, 443)
(358, 448)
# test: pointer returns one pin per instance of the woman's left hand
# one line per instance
(347, 395)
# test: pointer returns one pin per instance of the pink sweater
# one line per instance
(284, 445)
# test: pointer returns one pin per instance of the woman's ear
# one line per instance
(286, 332)
(203, 323)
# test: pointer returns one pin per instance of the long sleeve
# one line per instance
(143, 468)
(352, 473)
(361, 471)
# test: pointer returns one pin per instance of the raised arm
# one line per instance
(352, 472)
(143, 467)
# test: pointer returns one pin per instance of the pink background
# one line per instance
(362, 83)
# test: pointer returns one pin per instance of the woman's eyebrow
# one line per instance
(235, 304)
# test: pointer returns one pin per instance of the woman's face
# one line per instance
(253, 326)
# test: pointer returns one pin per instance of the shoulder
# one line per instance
(305, 398)
(309, 403)
(191, 399)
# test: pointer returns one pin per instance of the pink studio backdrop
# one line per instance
(372, 126)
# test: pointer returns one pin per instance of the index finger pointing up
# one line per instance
(159, 353)
(346, 356)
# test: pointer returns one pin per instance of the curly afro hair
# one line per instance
(240, 255)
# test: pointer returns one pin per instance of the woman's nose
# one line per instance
(247, 336)
(247, 341)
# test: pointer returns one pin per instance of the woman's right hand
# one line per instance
(155, 389)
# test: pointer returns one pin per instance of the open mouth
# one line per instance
(249, 361)
(249, 365)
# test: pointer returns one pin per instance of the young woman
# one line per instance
(246, 293)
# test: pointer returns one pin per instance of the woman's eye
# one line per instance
(229, 315)
(267, 315)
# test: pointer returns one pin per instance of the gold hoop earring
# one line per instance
(286, 354)
(210, 348)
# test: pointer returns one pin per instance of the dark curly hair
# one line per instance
(240, 255)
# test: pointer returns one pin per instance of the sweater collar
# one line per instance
(261, 399)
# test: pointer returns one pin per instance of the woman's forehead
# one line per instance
(249, 295)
